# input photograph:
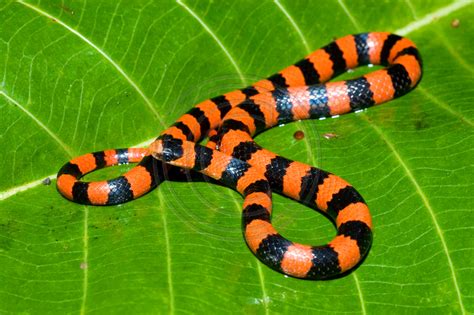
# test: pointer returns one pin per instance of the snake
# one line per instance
(231, 157)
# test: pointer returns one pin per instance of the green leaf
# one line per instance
(81, 76)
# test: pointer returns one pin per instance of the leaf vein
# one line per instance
(135, 86)
(39, 123)
(293, 23)
(216, 39)
(428, 206)
(349, 15)
(431, 17)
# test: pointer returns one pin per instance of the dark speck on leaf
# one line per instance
(421, 124)
(67, 9)
(46, 181)
(455, 23)
(298, 135)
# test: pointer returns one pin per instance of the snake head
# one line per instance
(167, 149)
(156, 149)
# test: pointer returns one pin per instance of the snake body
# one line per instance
(231, 156)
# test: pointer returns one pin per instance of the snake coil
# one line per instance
(231, 156)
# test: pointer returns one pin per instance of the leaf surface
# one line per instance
(83, 76)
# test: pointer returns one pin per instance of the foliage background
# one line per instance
(80, 76)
